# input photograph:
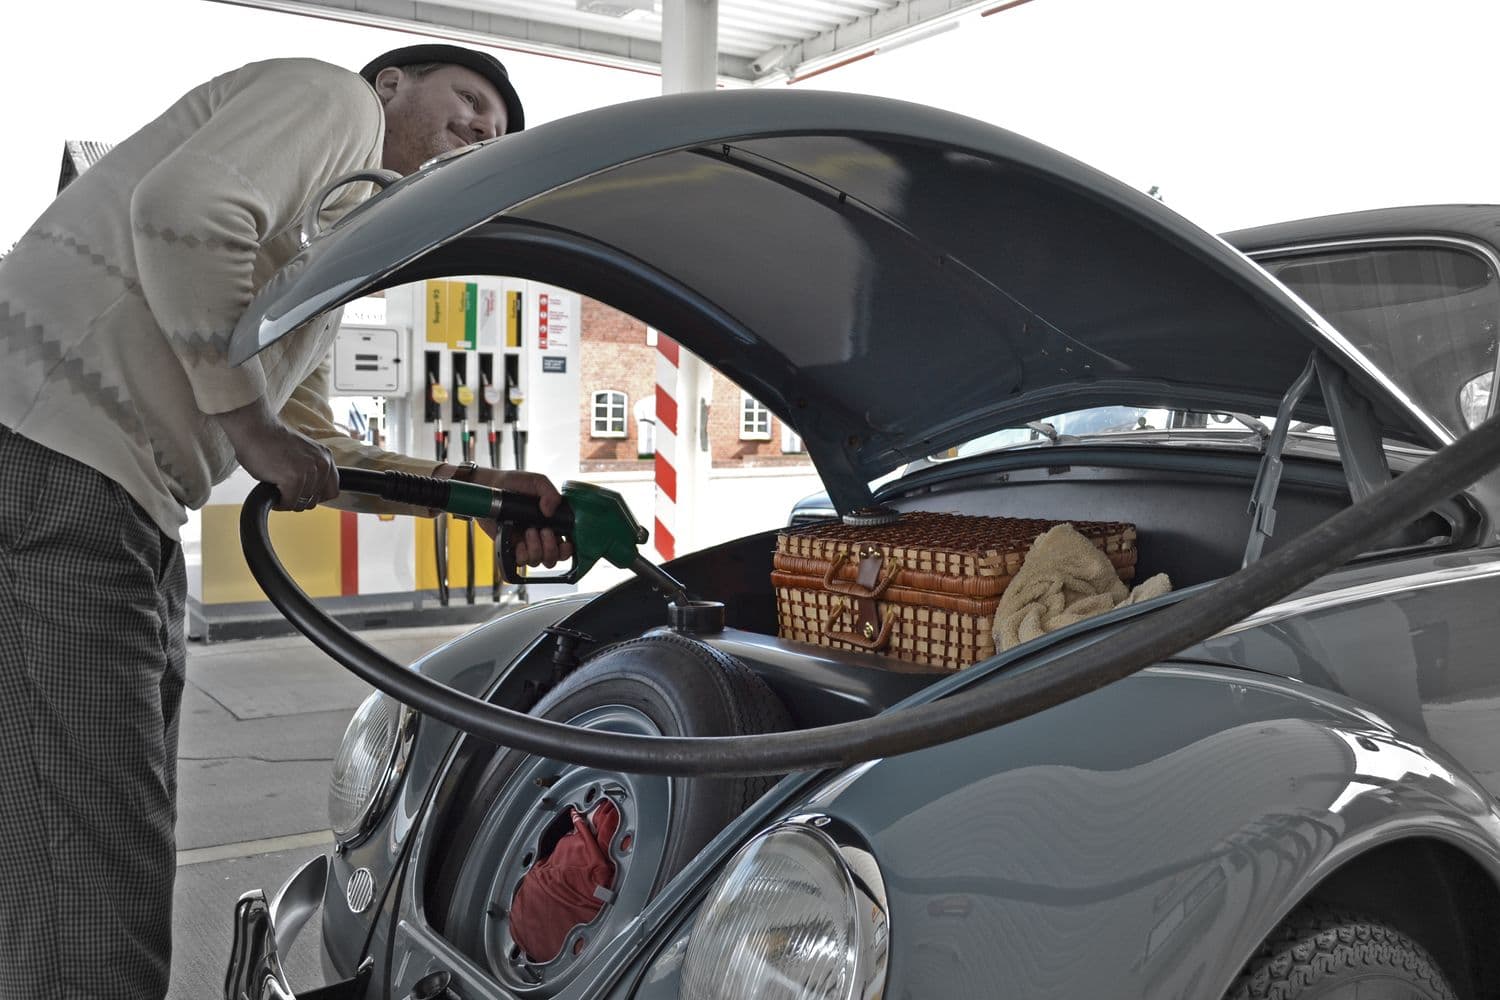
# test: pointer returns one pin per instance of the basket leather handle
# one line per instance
(872, 641)
(854, 589)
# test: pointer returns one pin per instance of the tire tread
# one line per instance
(754, 706)
(1317, 942)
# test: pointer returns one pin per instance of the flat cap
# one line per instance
(483, 63)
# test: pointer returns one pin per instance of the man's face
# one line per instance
(425, 116)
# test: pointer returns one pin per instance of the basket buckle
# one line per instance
(873, 633)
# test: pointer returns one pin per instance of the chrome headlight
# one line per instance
(797, 915)
(369, 766)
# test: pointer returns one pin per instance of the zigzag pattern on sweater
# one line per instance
(192, 242)
(85, 251)
(199, 350)
(30, 344)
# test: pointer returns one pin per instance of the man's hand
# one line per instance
(534, 547)
(302, 470)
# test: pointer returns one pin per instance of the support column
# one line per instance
(689, 62)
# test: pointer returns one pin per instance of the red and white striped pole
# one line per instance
(689, 62)
(667, 361)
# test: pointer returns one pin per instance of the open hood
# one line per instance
(888, 278)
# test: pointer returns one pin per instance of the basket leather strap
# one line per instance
(869, 632)
(867, 582)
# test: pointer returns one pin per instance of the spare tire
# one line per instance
(661, 684)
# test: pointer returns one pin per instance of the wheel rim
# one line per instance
(535, 799)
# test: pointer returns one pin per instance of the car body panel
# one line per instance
(1151, 862)
(1235, 791)
(1137, 871)
(934, 277)
(1414, 640)
(470, 663)
(893, 280)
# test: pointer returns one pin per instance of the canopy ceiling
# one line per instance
(758, 40)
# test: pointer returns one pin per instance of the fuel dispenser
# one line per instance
(434, 365)
(485, 340)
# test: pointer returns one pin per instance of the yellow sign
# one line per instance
(437, 312)
(452, 314)
(512, 319)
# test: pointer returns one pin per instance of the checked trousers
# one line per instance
(91, 671)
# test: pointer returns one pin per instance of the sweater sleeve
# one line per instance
(309, 412)
(276, 132)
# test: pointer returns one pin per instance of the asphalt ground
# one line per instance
(261, 722)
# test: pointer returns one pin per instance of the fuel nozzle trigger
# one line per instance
(599, 525)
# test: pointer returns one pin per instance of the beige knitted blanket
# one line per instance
(1065, 579)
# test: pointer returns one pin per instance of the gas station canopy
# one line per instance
(759, 41)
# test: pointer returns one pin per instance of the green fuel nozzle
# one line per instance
(599, 525)
(595, 520)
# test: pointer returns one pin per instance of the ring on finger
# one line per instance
(304, 502)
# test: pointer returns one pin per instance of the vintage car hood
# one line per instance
(888, 278)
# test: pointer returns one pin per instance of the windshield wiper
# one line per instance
(1049, 432)
(1262, 432)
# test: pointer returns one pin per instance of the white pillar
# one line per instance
(689, 45)
(689, 62)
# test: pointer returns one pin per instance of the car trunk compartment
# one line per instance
(922, 587)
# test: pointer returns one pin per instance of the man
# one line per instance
(118, 412)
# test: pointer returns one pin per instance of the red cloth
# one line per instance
(557, 894)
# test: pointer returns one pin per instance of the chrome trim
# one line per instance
(360, 892)
(254, 971)
(454, 154)
(390, 781)
(297, 901)
(1361, 592)
(1358, 356)
(263, 932)
(809, 514)
(863, 881)
(382, 179)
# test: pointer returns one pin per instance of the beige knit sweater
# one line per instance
(117, 305)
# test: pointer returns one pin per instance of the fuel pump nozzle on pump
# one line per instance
(463, 398)
(513, 400)
(491, 397)
(437, 395)
(466, 445)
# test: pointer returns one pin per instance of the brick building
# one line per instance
(617, 401)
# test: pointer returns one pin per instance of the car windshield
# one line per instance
(1102, 421)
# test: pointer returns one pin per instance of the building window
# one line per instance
(608, 414)
(645, 428)
(791, 441)
(755, 419)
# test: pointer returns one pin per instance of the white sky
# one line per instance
(1242, 111)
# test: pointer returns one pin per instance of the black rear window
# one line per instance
(1426, 315)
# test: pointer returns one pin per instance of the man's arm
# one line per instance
(302, 469)
(309, 413)
(240, 179)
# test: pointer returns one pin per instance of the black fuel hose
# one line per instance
(1134, 646)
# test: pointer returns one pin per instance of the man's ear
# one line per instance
(387, 81)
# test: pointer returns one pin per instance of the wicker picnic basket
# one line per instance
(922, 588)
